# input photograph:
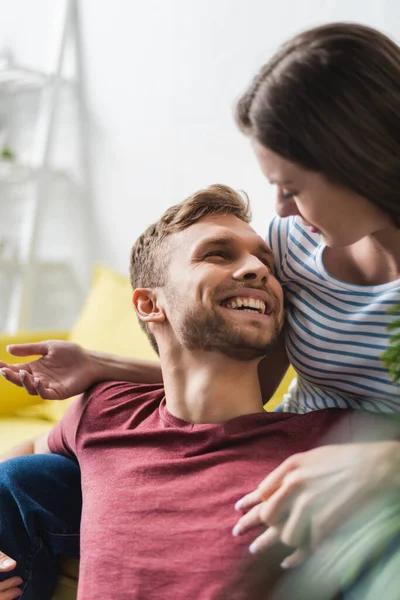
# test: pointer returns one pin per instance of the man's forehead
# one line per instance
(220, 227)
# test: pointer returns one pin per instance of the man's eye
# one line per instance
(270, 267)
(218, 254)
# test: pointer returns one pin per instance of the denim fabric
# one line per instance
(40, 511)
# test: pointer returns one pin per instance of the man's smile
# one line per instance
(256, 301)
(254, 305)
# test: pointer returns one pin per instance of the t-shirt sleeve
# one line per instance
(62, 438)
(102, 407)
(277, 238)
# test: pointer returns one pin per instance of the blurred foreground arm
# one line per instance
(313, 493)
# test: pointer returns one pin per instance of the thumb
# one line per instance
(36, 348)
(6, 563)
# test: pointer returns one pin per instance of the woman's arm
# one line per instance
(118, 368)
(313, 493)
(66, 369)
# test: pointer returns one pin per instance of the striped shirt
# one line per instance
(336, 331)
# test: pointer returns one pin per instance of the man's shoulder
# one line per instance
(113, 389)
(311, 428)
(103, 397)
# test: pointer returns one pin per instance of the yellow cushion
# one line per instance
(277, 398)
(13, 398)
(67, 583)
(107, 323)
(14, 431)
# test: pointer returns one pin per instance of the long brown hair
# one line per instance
(329, 100)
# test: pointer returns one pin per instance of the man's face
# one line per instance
(221, 294)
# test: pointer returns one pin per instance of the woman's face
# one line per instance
(338, 214)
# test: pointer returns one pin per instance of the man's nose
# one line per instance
(252, 269)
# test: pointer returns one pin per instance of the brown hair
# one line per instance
(329, 100)
(150, 254)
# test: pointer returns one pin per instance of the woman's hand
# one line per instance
(9, 588)
(312, 493)
(64, 369)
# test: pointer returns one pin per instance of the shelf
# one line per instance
(19, 79)
(13, 264)
(11, 172)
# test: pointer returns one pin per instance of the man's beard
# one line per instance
(212, 333)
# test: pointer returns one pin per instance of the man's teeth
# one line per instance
(243, 303)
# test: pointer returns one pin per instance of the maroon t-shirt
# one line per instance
(159, 492)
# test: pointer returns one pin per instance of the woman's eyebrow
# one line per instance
(277, 182)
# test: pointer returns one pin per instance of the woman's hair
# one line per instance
(329, 100)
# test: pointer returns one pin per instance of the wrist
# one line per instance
(101, 366)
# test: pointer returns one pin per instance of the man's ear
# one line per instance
(145, 303)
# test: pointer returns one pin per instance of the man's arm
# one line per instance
(66, 369)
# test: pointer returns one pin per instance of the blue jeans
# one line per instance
(40, 511)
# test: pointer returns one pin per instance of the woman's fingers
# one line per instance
(264, 541)
(21, 378)
(295, 559)
(12, 375)
(28, 382)
(45, 392)
(34, 349)
(6, 563)
(12, 582)
(248, 521)
(296, 530)
(270, 484)
(9, 589)
(249, 500)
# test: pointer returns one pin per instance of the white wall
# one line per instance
(162, 79)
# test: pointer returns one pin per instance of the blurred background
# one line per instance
(112, 111)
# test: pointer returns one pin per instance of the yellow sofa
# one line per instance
(107, 323)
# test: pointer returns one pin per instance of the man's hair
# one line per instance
(151, 252)
(329, 100)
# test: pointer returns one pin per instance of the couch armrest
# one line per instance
(13, 398)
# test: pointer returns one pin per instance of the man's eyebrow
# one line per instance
(225, 241)
(222, 241)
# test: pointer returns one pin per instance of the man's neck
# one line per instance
(208, 387)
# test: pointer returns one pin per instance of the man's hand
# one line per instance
(64, 369)
(9, 588)
(312, 493)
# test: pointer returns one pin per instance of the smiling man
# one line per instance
(162, 467)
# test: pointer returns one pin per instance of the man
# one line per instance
(161, 471)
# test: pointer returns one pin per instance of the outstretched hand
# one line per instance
(64, 369)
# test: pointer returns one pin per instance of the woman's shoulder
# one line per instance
(289, 233)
